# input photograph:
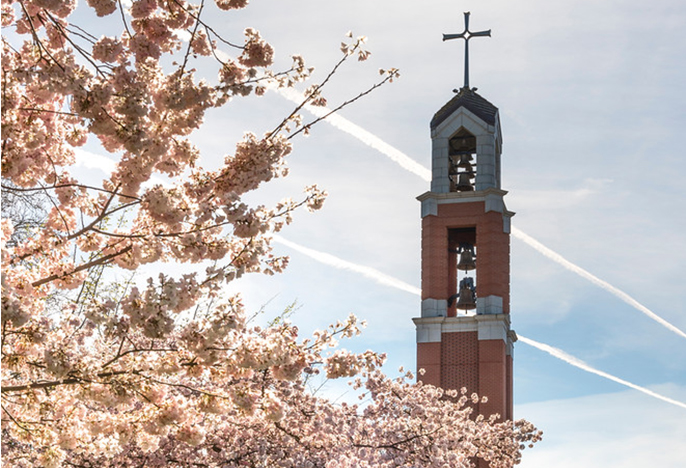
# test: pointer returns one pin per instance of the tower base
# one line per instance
(473, 351)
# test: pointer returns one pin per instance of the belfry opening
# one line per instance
(462, 148)
(461, 270)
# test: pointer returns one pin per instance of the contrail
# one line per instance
(361, 134)
(387, 280)
(530, 241)
(341, 264)
(569, 359)
(411, 165)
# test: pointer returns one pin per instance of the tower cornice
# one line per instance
(491, 197)
(488, 327)
(479, 195)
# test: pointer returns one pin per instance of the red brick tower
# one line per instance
(463, 335)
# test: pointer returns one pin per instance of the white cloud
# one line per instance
(621, 430)
(89, 160)
(94, 161)
(556, 199)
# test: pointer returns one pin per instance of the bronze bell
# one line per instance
(468, 168)
(467, 261)
(467, 295)
(467, 301)
(465, 161)
(464, 183)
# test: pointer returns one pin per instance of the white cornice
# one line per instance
(489, 327)
(462, 197)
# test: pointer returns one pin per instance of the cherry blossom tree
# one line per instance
(170, 372)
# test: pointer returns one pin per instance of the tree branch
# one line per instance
(81, 267)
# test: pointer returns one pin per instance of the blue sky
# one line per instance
(593, 109)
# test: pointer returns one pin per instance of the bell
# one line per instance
(465, 161)
(464, 183)
(467, 295)
(466, 262)
(466, 300)
(468, 168)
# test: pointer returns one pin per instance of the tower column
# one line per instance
(464, 338)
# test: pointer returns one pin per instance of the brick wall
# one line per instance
(493, 252)
(460, 361)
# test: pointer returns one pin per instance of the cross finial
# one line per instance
(466, 35)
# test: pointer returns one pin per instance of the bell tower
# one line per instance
(464, 337)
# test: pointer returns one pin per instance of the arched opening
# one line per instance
(461, 270)
(461, 163)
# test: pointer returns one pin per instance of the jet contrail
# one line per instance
(387, 280)
(531, 242)
(341, 264)
(411, 165)
(361, 134)
(569, 359)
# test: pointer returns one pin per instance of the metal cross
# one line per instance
(466, 35)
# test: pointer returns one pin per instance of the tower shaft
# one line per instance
(464, 337)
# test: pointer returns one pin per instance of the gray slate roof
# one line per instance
(470, 100)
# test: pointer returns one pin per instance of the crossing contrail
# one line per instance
(569, 359)
(533, 243)
(387, 280)
(412, 166)
(368, 272)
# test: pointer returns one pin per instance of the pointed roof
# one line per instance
(468, 99)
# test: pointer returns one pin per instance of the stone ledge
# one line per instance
(489, 327)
